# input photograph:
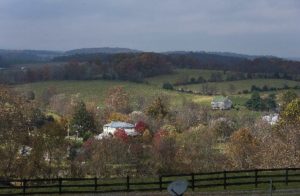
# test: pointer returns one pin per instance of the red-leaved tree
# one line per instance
(141, 127)
(121, 134)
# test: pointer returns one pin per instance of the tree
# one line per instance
(164, 152)
(291, 113)
(270, 102)
(168, 86)
(117, 100)
(49, 152)
(255, 102)
(287, 97)
(242, 149)
(157, 109)
(197, 152)
(121, 134)
(18, 119)
(47, 94)
(140, 127)
(82, 121)
(114, 116)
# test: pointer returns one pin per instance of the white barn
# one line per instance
(221, 103)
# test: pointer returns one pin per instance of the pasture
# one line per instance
(233, 87)
(97, 90)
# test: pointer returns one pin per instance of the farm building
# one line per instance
(221, 103)
(111, 128)
(272, 119)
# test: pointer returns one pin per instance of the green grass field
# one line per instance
(239, 86)
(97, 90)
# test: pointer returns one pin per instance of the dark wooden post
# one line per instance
(96, 185)
(24, 186)
(59, 185)
(193, 181)
(160, 183)
(127, 183)
(225, 182)
(256, 178)
(286, 176)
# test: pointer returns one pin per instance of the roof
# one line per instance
(119, 124)
(220, 99)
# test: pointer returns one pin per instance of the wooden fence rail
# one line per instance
(197, 181)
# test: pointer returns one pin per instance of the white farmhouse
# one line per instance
(272, 119)
(111, 128)
(221, 103)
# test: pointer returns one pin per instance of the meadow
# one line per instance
(236, 87)
(239, 85)
(97, 90)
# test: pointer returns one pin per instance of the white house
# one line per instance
(222, 103)
(111, 128)
(272, 119)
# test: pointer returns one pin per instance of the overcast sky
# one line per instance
(267, 27)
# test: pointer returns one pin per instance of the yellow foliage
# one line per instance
(291, 113)
(147, 136)
(115, 116)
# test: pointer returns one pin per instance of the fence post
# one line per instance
(225, 182)
(59, 185)
(24, 186)
(286, 176)
(256, 178)
(127, 183)
(160, 183)
(96, 185)
(193, 181)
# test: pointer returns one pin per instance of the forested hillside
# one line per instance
(134, 66)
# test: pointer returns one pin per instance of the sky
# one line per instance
(257, 27)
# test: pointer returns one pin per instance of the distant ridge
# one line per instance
(105, 50)
(226, 54)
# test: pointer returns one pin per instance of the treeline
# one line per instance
(237, 64)
(136, 66)
(231, 76)
(132, 67)
(201, 60)
(13, 57)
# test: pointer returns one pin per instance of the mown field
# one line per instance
(97, 90)
(238, 86)
(241, 85)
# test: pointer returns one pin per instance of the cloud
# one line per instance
(259, 25)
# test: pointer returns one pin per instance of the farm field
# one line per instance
(180, 74)
(97, 90)
(239, 86)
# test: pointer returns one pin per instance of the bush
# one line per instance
(168, 86)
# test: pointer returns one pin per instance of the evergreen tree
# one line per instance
(168, 86)
(82, 120)
(255, 102)
(270, 102)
